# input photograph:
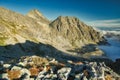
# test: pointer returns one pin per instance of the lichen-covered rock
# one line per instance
(63, 73)
(71, 70)
(16, 68)
(6, 65)
(4, 76)
(34, 60)
(14, 74)
(25, 74)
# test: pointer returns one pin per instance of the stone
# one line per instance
(16, 68)
(63, 73)
(14, 74)
(34, 71)
(41, 75)
(4, 76)
(78, 76)
(6, 65)
(25, 74)
(1, 63)
(108, 77)
(21, 64)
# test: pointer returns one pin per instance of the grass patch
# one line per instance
(2, 41)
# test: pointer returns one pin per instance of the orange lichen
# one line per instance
(108, 77)
(13, 74)
(34, 71)
(48, 67)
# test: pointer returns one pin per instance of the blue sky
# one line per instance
(93, 12)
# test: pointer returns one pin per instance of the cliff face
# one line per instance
(64, 33)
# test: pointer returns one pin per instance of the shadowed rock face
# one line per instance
(64, 33)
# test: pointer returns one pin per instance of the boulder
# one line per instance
(25, 74)
(6, 65)
(4, 76)
(63, 73)
(16, 68)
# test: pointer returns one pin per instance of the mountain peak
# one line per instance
(36, 14)
(75, 30)
(67, 17)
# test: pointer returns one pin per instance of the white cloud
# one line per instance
(105, 23)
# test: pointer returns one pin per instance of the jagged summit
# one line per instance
(65, 18)
(36, 14)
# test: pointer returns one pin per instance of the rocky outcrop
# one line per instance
(54, 70)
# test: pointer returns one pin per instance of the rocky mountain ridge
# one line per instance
(64, 33)
(76, 31)
(35, 14)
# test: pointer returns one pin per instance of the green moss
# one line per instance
(73, 42)
(2, 41)
(14, 31)
(35, 40)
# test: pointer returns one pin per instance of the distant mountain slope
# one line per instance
(64, 33)
(35, 14)
(74, 31)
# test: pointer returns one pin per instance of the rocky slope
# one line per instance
(35, 14)
(38, 68)
(64, 33)
(63, 47)
(74, 31)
